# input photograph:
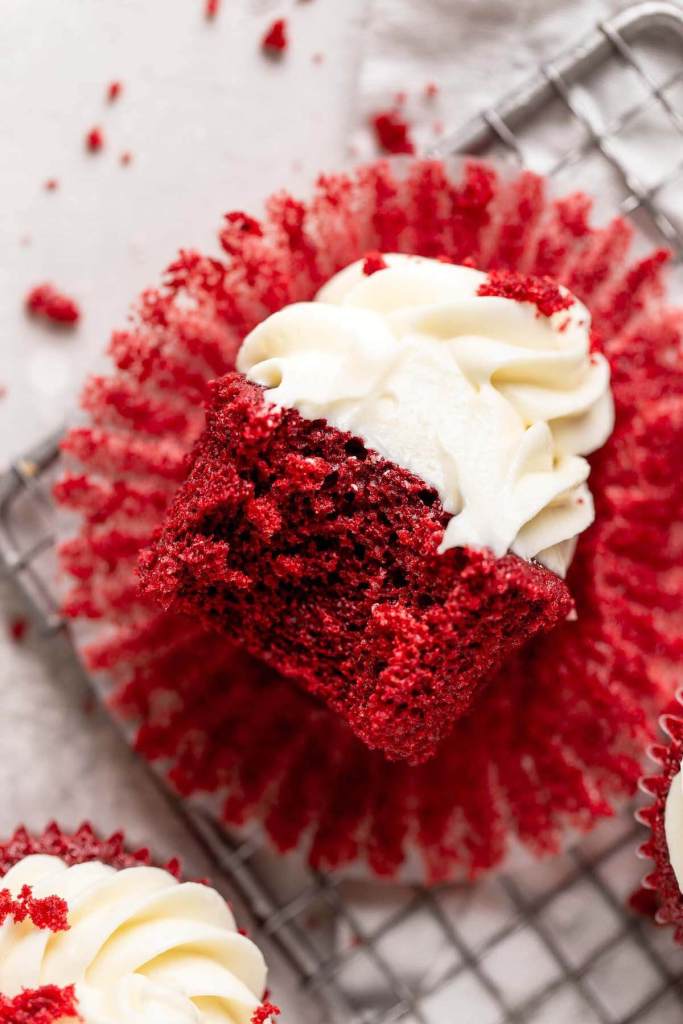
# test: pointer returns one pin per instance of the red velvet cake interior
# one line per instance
(321, 558)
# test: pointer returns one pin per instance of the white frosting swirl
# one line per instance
(141, 948)
(485, 399)
(673, 826)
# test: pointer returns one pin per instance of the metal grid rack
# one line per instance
(543, 944)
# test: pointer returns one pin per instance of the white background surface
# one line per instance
(212, 125)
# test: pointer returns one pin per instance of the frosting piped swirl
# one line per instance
(487, 400)
(141, 948)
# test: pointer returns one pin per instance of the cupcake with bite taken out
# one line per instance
(388, 495)
(92, 933)
(554, 682)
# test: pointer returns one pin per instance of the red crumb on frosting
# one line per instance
(373, 262)
(50, 912)
(265, 1013)
(392, 132)
(114, 90)
(340, 546)
(17, 627)
(126, 158)
(46, 301)
(212, 8)
(94, 140)
(46, 1005)
(51, 185)
(545, 294)
(431, 90)
(275, 40)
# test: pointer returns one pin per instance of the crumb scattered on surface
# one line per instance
(126, 158)
(51, 185)
(114, 90)
(212, 8)
(94, 140)
(392, 132)
(431, 90)
(318, 58)
(275, 41)
(17, 627)
(46, 301)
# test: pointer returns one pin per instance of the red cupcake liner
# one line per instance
(557, 737)
(51, 1003)
(660, 896)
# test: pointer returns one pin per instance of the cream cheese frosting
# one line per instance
(141, 948)
(485, 399)
(673, 825)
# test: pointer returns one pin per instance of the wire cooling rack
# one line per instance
(547, 943)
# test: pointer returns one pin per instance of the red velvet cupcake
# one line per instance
(662, 891)
(90, 932)
(555, 736)
(365, 503)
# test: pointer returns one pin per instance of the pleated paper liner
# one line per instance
(556, 738)
(660, 896)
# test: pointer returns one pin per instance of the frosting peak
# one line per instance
(487, 400)
(141, 948)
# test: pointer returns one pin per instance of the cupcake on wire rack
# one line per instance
(661, 894)
(555, 722)
(93, 933)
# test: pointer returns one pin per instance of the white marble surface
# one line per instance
(212, 125)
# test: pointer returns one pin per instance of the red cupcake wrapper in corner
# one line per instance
(51, 1003)
(557, 736)
(660, 896)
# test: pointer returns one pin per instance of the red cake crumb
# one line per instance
(51, 185)
(17, 628)
(373, 262)
(431, 90)
(341, 547)
(126, 158)
(392, 132)
(275, 40)
(50, 913)
(46, 1005)
(545, 294)
(94, 140)
(556, 739)
(44, 300)
(265, 1013)
(212, 8)
(114, 90)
